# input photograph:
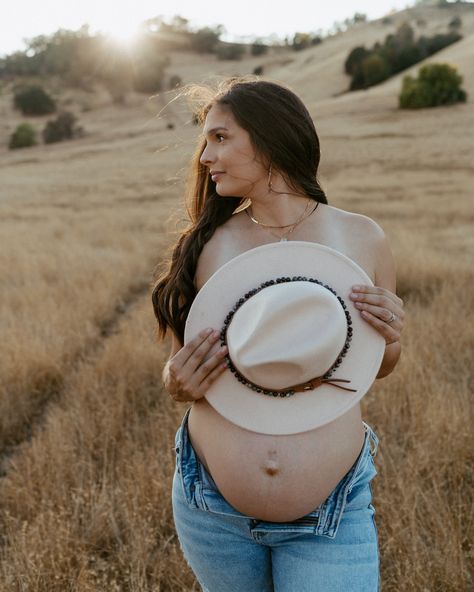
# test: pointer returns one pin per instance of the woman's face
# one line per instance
(230, 151)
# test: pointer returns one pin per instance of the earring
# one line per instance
(243, 205)
(269, 182)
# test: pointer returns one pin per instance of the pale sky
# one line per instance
(22, 19)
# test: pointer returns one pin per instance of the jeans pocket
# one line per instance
(359, 493)
(353, 490)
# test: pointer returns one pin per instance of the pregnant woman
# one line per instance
(282, 311)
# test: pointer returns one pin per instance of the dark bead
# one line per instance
(283, 394)
(253, 387)
(274, 394)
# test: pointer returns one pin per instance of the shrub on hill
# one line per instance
(257, 48)
(398, 52)
(33, 100)
(437, 84)
(175, 81)
(61, 128)
(22, 137)
(229, 51)
(148, 71)
(305, 40)
(205, 40)
(455, 22)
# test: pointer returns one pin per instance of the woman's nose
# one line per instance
(206, 157)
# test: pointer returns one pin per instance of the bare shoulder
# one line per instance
(358, 225)
(364, 241)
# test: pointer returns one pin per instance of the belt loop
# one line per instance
(373, 439)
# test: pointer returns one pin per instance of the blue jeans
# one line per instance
(334, 548)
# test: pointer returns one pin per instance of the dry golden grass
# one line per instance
(85, 429)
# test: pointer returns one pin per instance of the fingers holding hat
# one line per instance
(381, 308)
(189, 372)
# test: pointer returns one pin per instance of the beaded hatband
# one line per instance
(287, 392)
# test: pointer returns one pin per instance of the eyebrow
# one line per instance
(215, 129)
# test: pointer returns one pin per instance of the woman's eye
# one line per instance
(220, 136)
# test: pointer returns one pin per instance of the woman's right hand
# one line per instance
(187, 375)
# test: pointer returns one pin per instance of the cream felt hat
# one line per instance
(299, 355)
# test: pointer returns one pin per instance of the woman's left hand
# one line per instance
(380, 308)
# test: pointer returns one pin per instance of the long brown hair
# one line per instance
(282, 132)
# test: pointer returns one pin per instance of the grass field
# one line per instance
(85, 428)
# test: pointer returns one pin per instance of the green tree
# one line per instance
(205, 40)
(33, 100)
(301, 41)
(375, 69)
(355, 58)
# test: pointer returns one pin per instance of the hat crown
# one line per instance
(286, 334)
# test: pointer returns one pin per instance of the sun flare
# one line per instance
(122, 33)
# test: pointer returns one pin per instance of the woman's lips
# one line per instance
(216, 175)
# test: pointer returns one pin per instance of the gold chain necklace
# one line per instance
(293, 226)
(285, 225)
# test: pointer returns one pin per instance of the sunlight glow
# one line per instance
(123, 33)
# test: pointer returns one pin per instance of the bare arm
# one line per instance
(379, 303)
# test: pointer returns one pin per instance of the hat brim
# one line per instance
(302, 411)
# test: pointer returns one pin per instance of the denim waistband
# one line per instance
(200, 490)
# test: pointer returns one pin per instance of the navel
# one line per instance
(270, 465)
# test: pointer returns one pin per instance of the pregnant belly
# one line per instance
(274, 478)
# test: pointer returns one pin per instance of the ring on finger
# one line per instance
(392, 318)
